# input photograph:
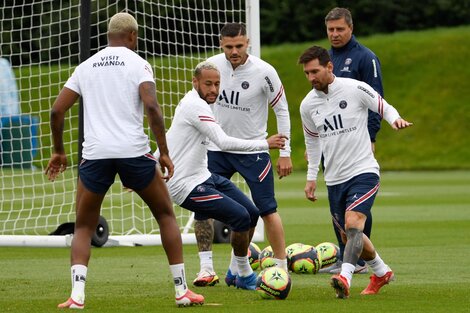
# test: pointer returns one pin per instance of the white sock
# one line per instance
(205, 261)
(177, 270)
(378, 266)
(347, 271)
(281, 263)
(244, 267)
(233, 267)
(78, 272)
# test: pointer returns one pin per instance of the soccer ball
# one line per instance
(305, 261)
(253, 255)
(266, 258)
(273, 283)
(294, 249)
(328, 253)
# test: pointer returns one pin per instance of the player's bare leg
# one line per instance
(245, 278)
(354, 225)
(157, 198)
(275, 234)
(382, 273)
(88, 211)
(204, 231)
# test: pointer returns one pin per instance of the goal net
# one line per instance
(40, 46)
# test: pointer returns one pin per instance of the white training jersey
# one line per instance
(109, 83)
(192, 126)
(245, 95)
(335, 124)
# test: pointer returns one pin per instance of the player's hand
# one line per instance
(310, 188)
(57, 164)
(277, 141)
(284, 167)
(400, 124)
(167, 167)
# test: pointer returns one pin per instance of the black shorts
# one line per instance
(135, 173)
(220, 199)
(357, 194)
(255, 168)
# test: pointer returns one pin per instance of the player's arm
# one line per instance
(204, 122)
(378, 104)
(278, 102)
(148, 94)
(313, 154)
(58, 162)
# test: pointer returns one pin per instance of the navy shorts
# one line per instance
(135, 173)
(256, 169)
(220, 199)
(357, 194)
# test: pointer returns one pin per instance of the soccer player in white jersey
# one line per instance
(116, 85)
(193, 187)
(334, 117)
(249, 86)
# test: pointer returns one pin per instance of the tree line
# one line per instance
(301, 21)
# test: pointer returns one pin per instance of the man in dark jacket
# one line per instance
(353, 60)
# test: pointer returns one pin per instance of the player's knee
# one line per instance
(241, 222)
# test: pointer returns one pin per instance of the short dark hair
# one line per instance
(339, 13)
(233, 30)
(315, 52)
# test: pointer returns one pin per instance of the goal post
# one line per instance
(43, 41)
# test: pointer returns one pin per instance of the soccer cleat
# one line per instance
(206, 278)
(71, 304)
(341, 286)
(230, 279)
(190, 298)
(378, 282)
(247, 282)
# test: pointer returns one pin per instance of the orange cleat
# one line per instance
(341, 286)
(206, 278)
(378, 282)
(189, 298)
(71, 304)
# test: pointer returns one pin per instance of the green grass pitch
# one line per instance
(421, 229)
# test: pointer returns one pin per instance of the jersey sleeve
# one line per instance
(278, 102)
(73, 83)
(374, 102)
(144, 73)
(312, 143)
(204, 121)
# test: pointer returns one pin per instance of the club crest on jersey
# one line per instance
(343, 104)
(245, 85)
(200, 188)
